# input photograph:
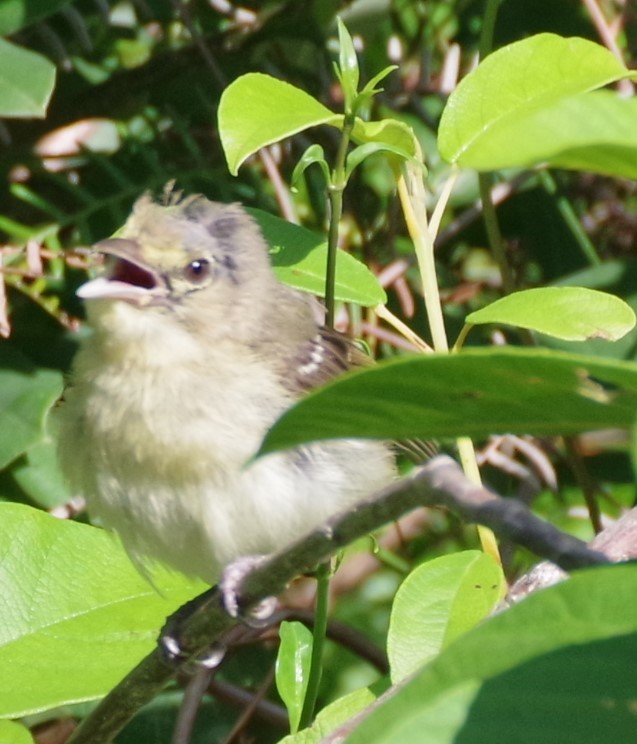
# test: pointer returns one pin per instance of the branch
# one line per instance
(438, 483)
(618, 542)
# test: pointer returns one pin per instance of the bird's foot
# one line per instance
(233, 576)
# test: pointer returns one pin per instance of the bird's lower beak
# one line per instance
(128, 277)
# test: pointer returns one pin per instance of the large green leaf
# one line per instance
(256, 110)
(591, 131)
(75, 615)
(474, 393)
(570, 313)
(299, 258)
(514, 109)
(439, 601)
(556, 668)
(26, 394)
(26, 82)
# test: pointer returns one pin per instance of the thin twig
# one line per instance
(251, 707)
(190, 704)
(608, 39)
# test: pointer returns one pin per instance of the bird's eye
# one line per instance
(197, 271)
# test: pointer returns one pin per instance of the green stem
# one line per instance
(318, 644)
(466, 329)
(335, 196)
(486, 179)
(493, 232)
(411, 191)
(568, 215)
(488, 27)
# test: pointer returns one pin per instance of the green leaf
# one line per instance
(75, 615)
(475, 393)
(570, 313)
(299, 258)
(348, 66)
(618, 277)
(27, 80)
(256, 110)
(17, 14)
(313, 154)
(604, 139)
(14, 733)
(485, 121)
(558, 667)
(293, 667)
(370, 89)
(39, 476)
(438, 602)
(26, 394)
(331, 717)
(389, 132)
(356, 156)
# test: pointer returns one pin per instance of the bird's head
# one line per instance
(194, 260)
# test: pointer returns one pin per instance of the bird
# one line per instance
(196, 348)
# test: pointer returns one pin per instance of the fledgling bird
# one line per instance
(196, 350)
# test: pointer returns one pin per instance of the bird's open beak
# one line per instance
(129, 277)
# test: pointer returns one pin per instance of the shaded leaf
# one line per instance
(17, 14)
(476, 392)
(26, 394)
(27, 80)
(557, 667)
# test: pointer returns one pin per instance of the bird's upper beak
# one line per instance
(130, 278)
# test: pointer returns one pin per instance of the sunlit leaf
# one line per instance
(257, 110)
(570, 313)
(522, 106)
(75, 615)
(439, 601)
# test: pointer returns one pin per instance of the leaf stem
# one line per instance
(411, 190)
(488, 28)
(318, 635)
(493, 232)
(335, 197)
